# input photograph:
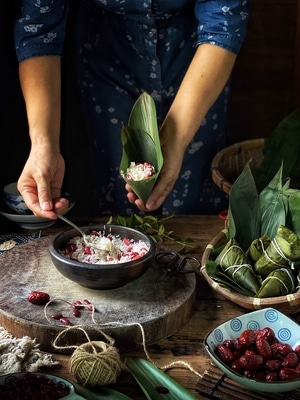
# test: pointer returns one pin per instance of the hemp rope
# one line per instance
(98, 363)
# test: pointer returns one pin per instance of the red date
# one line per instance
(267, 333)
(251, 361)
(286, 374)
(36, 297)
(290, 360)
(247, 338)
(263, 348)
(272, 365)
(65, 321)
(225, 354)
(259, 355)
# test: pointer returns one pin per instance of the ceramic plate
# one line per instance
(30, 221)
(10, 380)
(286, 331)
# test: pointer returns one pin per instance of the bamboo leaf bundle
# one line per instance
(140, 139)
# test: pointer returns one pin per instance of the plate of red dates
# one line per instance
(259, 350)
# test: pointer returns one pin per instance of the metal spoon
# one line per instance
(105, 246)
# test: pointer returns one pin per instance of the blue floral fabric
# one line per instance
(125, 47)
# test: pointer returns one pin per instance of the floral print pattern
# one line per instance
(125, 47)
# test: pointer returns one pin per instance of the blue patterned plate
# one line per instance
(286, 331)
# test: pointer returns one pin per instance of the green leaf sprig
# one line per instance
(154, 227)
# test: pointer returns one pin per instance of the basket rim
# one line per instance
(232, 149)
(289, 304)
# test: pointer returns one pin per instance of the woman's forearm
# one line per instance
(206, 77)
(40, 79)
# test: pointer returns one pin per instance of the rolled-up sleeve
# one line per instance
(222, 22)
(40, 28)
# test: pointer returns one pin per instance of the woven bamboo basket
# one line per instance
(289, 304)
(229, 162)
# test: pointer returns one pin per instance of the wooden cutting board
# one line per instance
(160, 303)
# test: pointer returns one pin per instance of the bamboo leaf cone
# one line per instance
(140, 139)
(235, 264)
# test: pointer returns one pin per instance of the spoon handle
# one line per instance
(66, 220)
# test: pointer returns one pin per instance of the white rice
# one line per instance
(139, 171)
(115, 249)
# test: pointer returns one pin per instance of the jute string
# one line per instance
(98, 363)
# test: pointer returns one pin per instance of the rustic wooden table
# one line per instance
(187, 344)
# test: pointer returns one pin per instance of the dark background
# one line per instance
(265, 89)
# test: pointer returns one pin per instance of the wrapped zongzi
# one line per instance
(284, 250)
(235, 264)
(257, 248)
(278, 283)
(141, 145)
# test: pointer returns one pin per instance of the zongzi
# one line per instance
(235, 264)
(278, 283)
(284, 250)
(257, 248)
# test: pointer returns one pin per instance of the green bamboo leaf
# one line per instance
(143, 116)
(101, 393)
(282, 145)
(139, 146)
(244, 209)
(141, 143)
(150, 378)
(214, 272)
(293, 216)
(274, 205)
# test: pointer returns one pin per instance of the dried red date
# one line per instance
(75, 312)
(65, 321)
(249, 352)
(256, 375)
(229, 343)
(33, 386)
(263, 348)
(261, 356)
(297, 350)
(88, 304)
(271, 376)
(36, 297)
(280, 350)
(56, 316)
(247, 338)
(272, 365)
(251, 361)
(286, 374)
(225, 354)
(290, 360)
(267, 333)
(236, 366)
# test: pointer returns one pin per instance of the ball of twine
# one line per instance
(95, 364)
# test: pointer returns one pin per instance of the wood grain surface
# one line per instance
(159, 302)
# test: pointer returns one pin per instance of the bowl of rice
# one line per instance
(117, 255)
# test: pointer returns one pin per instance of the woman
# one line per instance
(181, 52)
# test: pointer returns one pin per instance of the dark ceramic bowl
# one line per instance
(101, 276)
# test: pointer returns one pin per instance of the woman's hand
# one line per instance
(206, 77)
(40, 183)
(173, 155)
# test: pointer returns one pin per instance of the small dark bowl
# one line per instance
(101, 276)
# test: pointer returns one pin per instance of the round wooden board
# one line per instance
(160, 303)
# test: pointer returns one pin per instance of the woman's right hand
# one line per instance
(40, 183)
